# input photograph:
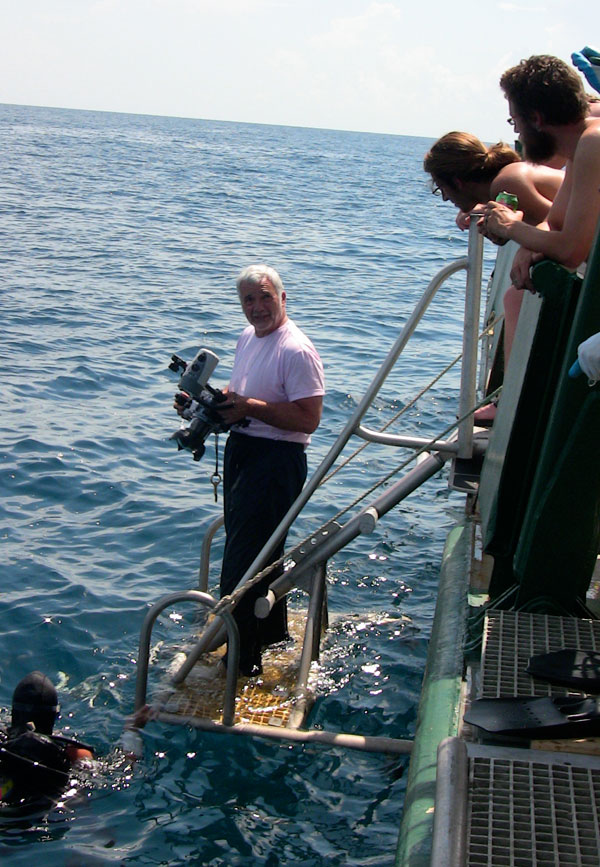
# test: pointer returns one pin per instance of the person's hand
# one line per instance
(589, 357)
(587, 62)
(497, 220)
(463, 220)
(139, 719)
(519, 272)
(130, 741)
(234, 409)
(495, 239)
(180, 402)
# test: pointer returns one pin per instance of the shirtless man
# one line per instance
(550, 111)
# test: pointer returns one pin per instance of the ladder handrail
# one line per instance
(205, 552)
(233, 639)
(363, 523)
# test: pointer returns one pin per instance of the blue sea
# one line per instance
(121, 239)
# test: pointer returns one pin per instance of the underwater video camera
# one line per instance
(199, 401)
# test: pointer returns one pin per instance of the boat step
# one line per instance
(509, 807)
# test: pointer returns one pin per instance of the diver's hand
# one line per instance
(130, 741)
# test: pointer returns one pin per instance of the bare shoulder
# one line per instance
(535, 187)
(587, 152)
(510, 179)
(510, 173)
(526, 174)
(590, 137)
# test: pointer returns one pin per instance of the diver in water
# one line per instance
(34, 762)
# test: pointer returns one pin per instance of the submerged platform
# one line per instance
(265, 700)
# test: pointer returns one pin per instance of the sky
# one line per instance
(418, 68)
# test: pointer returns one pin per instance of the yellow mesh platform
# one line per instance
(262, 700)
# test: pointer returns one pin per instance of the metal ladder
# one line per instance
(310, 557)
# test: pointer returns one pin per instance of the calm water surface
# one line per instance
(122, 237)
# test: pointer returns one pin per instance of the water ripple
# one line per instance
(123, 237)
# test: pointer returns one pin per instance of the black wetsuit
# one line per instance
(33, 765)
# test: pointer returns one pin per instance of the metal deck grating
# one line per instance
(511, 637)
(533, 813)
(263, 700)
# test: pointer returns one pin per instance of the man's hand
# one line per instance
(495, 239)
(297, 415)
(498, 221)
(180, 402)
(463, 220)
(519, 273)
(234, 409)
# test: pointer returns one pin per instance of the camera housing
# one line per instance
(199, 402)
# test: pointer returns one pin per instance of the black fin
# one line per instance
(537, 718)
(579, 669)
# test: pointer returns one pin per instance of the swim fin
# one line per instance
(537, 718)
(579, 669)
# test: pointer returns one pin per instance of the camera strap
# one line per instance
(216, 476)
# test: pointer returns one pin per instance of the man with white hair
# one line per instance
(276, 389)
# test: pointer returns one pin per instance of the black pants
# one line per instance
(261, 480)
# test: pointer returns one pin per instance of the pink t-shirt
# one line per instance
(282, 366)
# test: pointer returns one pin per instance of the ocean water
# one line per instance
(121, 239)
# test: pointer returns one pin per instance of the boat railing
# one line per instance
(456, 440)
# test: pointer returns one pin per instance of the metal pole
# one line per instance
(406, 442)
(205, 553)
(366, 743)
(468, 380)
(451, 792)
(363, 523)
(310, 648)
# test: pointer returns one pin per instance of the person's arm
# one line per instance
(130, 741)
(299, 415)
(78, 754)
(569, 245)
